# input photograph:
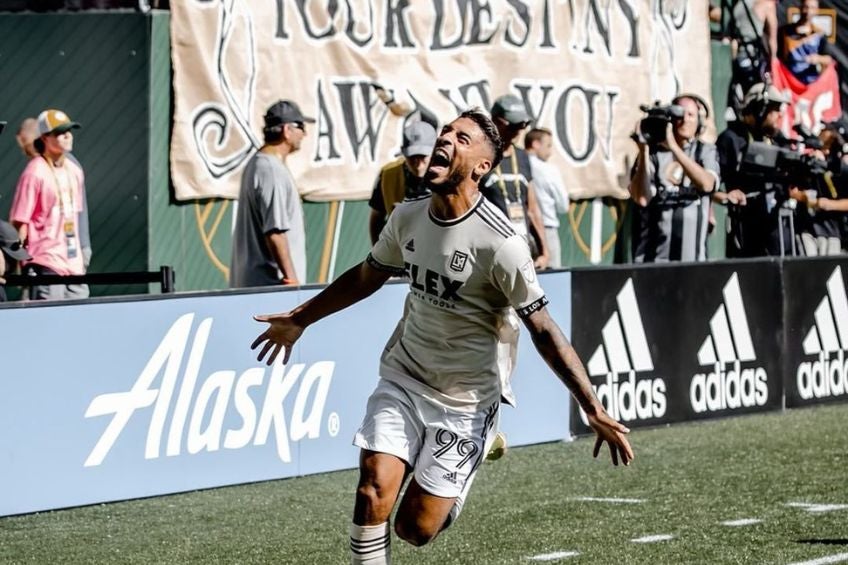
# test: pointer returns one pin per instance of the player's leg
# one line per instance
(380, 479)
(421, 515)
(390, 437)
(454, 446)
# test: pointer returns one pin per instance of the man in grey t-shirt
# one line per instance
(269, 241)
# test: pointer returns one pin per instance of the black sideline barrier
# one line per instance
(673, 343)
(816, 338)
(164, 277)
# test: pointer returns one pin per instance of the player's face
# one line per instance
(462, 152)
(686, 126)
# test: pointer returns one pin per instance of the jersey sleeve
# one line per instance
(709, 161)
(386, 255)
(514, 274)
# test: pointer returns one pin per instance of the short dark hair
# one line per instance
(485, 123)
(273, 134)
(534, 135)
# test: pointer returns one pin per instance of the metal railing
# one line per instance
(164, 276)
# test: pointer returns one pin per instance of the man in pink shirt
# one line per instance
(46, 208)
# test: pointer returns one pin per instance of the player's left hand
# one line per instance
(614, 433)
(281, 334)
(541, 262)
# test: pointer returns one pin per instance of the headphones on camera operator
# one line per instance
(703, 110)
(687, 191)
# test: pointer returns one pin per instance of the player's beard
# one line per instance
(455, 178)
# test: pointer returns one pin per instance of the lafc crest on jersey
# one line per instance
(457, 262)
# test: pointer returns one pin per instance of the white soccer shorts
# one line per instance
(443, 446)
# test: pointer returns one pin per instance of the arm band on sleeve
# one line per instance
(532, 307)
(396, 271)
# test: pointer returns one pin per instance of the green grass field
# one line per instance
(690, 478)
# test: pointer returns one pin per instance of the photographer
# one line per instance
(672, 178)
(821, 212)
(759, 214)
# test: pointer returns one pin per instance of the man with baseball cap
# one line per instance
(269, 240)
(403, 178)
(11, 249)
(46, 209)
(509, 186)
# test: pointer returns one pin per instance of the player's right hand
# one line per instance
(281, 334)
(614, 433)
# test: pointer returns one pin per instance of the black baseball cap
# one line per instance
(285, 112)
(10, 243)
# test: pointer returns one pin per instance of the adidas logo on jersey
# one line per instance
(624, 353)
(410, 246)
(450, 477)
(828, 341)
(727, 346)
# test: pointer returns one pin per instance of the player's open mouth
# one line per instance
(439, 160)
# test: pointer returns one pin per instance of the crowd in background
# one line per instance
(786, 193)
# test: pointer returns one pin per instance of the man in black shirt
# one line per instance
(509, 186)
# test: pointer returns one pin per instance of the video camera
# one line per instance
(784, 167)
(653, 127)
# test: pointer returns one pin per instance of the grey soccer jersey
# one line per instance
(464, 275)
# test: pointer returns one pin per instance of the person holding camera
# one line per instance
(674, 174)
(759, 213)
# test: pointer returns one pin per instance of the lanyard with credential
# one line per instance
(65, 196)
(502, 185)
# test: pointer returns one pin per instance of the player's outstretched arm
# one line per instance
(285, 328)
(561, 357)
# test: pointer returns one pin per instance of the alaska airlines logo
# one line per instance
(176, 402)
(827, 340)
(623, 353)
(726, 348)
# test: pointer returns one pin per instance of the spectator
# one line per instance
(269, 242)
(757, 225)
(31, 146)
(754, 30)
(671, 184)
(822, 213)
(403, 178)
(803, 47)
(26, 136)
(509, 186)
(550, 192)
(11, 250)
(46, 208)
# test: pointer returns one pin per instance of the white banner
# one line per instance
(582, 67)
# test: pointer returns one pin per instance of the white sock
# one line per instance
(370, 545)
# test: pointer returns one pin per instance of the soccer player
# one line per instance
(435, 408)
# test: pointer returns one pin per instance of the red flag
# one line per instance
(811, 103)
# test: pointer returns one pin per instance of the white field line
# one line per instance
(554, 556)
(611, 500)
(742, 522)
(838, 558)
(817, 508)
(652, 539)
